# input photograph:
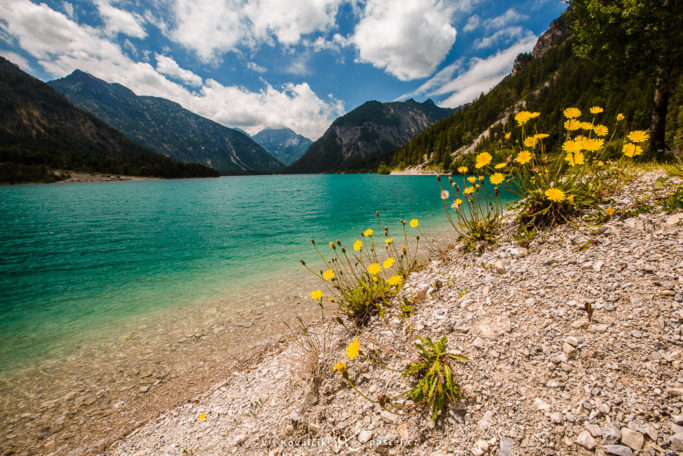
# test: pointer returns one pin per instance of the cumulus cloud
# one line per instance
(17, 59)
(210, 28)
(166, 65)
(482, 74)
(118, 21)
(256, 67)
(472, 23)
(406, 38)
(60, 45)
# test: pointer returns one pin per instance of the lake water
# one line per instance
(76, 260)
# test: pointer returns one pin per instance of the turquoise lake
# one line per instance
(76, 258)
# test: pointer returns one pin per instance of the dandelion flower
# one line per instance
(468, 190)
(555, 194)
(374, 268)
(522, 117)
(601, 130)
(610, 212)
(575, 158)
(638, 136)
(530, 141)
(357, 245)
(601, 163)
(620, 117)
(596, 110)
(570, 198)
(523, 157)
(395, 280)
(388, 241)
(471, 179)
(501, 165)
(456, 203)
(572, 113)
(202, 417)
(444, 194)
(462, 169)
(586, 126)
(572, 124)
(388, 263)
(496, 178)
(353, 349)
(541, 135)
(507, 135)
(367, 232)
(340, 367)
(483, 159)
(331, 244)
(572, 146)
(632, 150)
(533, 115)
(414, 223)
(328, 275)
(593, 145)
(316, 294)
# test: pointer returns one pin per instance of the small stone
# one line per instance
(568, 349)
(506, 444)
(518, 252)
(573, 341)
(144, 389)
(579, 239)
(556, 417)
(610, 434)
(586, 440)
(294, 416)
(477, 451)
(674, 219)
(482, 445)
(618, 450)
(388, 416)
(594, 429)
(676, 442)
(364, 436)
(499, 267)
(598, 265)
(678, 419)
(540, 404)
(558, 358)
(633, 439)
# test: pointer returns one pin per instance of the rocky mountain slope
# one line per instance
(355, 140)
(283, 143)
(166, 127)
(40, 131)
(542, 378)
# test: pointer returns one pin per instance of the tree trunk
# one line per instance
(660, 106)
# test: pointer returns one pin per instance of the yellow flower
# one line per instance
(202, 417)
(462, 169)
(444, 194)
(572, 146)
(572, 124)
(522, 117)
(638, 136)
(533, 115)
(367, 232)
(555, 194)
(468, 190)
(357, 245)
(316, 294)
(413, 223)
(586, 126)
(388, 263)
(574, 158)
(481, 178)
(570, 198)
(388, 241)
(471, 179)
(632, 150)
(507, 135)
(374, 268)
(395, 280)
(456, 203)
(596, 110)
(593, 145)
(572, 113)
(523, 157)
(497, 178)
(353, 349)
(620, 117)
(331, 244)
(541, 136)
(601, 130)
(610, 212)
(483, 159)
(340, 367)
(328, 275)
(500, 165)
(601, 163)
(530, 141)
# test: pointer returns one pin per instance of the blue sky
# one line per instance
(300, 64)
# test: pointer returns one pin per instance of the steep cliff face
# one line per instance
(283, 143)
(367, 132)
(166, 127)
(557, 32)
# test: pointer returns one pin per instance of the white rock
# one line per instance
(633, 439)
(540, 404)
(364, 436)
(674, 219)
(586, 440)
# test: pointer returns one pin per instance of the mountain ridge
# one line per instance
(283, 143)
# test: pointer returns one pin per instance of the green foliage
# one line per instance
(674, 201)
(383, 168)
(435, 382)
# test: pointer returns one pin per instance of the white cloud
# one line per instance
(60, 45)
(480, 76)
(210, 28)
(444, 76)
(68, 9)
(166, 65)
(256, 67)
(472, 23)
(505, 35)
(509, 17)
(119, 21)
(298, 66)
(407, 38)
(16, 59)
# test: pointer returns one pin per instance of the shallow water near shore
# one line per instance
(117, 295)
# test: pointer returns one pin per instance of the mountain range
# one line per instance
(283, 143)
(41, 131)
(166, 127)
(357, 139)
